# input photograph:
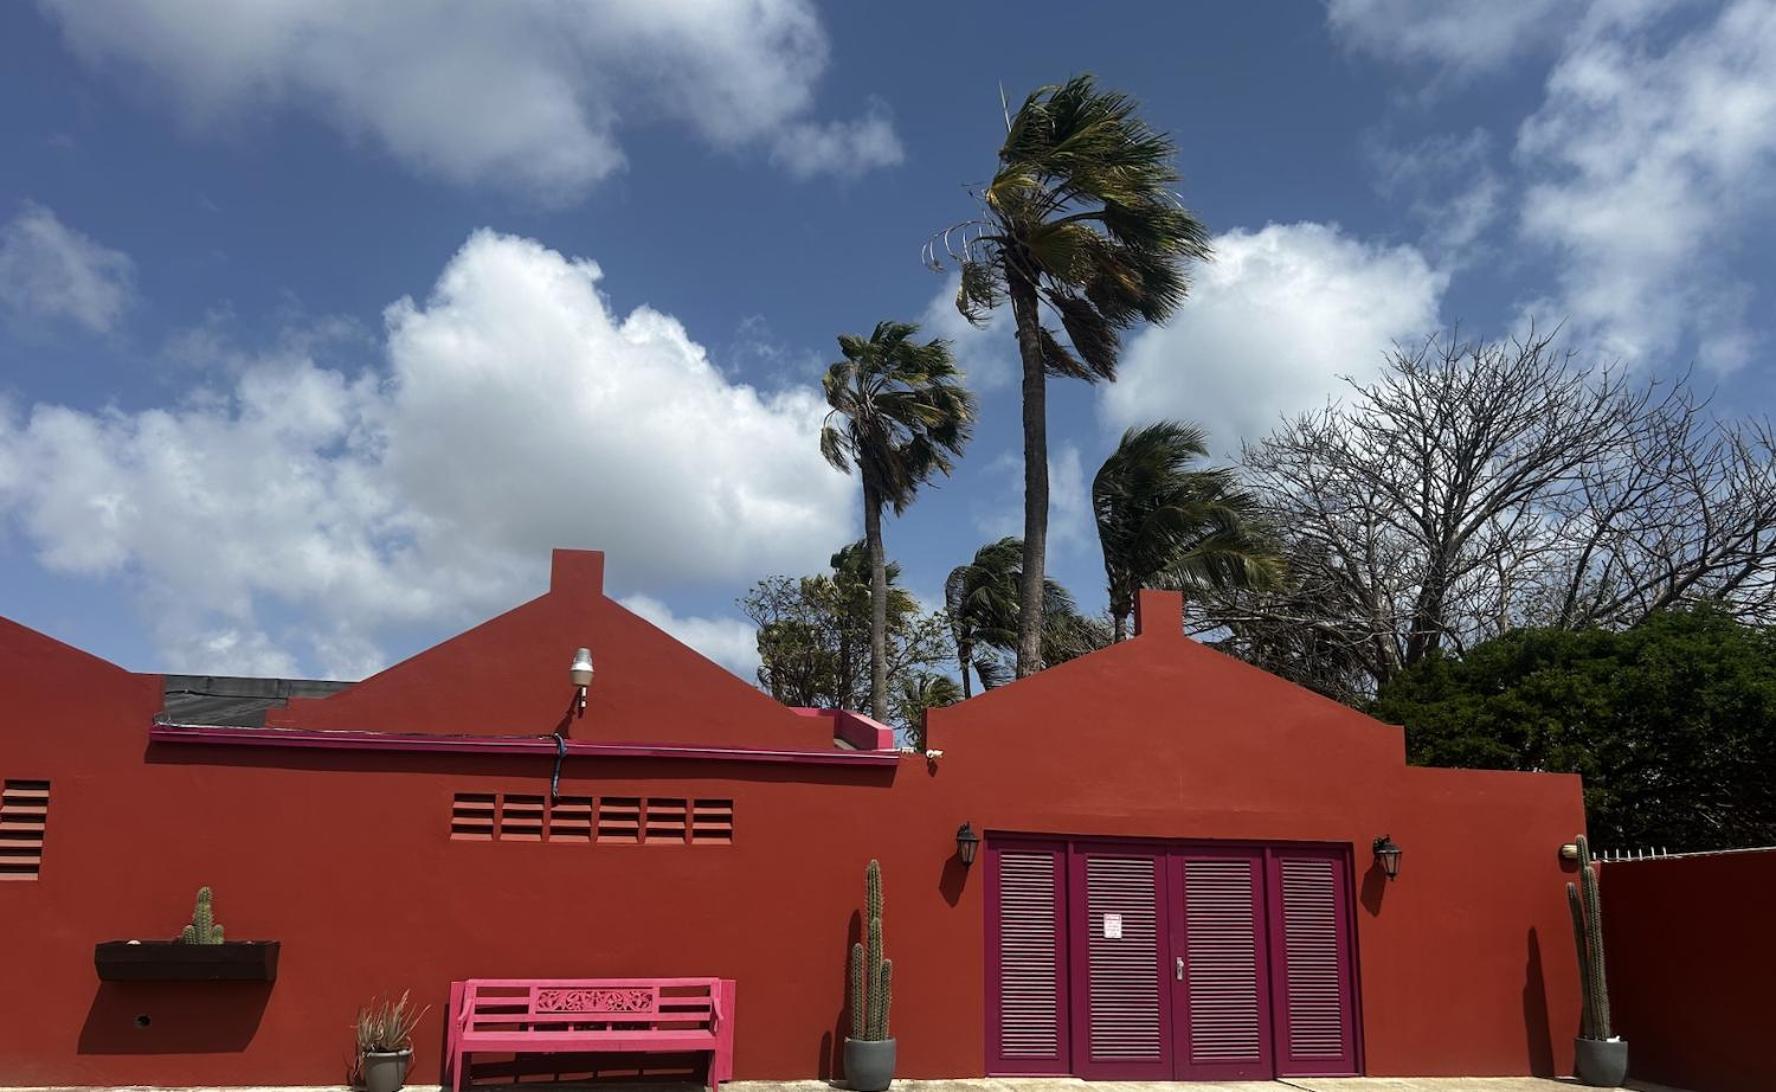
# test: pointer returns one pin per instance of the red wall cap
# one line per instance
(1160, 612)
(579, 571)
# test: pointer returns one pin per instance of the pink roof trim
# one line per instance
(212, 735)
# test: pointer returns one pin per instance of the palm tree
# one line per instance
(917, 693)
(899, 413)
(1079, 217)
(982, 598)
(1163, 522)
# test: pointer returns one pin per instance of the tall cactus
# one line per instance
(872, 977)
(203, 928)
(1587, 914)
(858, 1008)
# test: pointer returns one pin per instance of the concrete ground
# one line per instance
(998, 1084)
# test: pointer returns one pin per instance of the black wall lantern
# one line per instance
(1387, 855)
(967, 843)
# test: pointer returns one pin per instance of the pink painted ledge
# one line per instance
(213, 736)
(855, 729)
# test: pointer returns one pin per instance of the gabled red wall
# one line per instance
(345, 857)
(508, 676)
(1465, 960)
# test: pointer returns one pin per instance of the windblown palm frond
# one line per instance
(899, 411)
(899, 415)
(1080, 231)
(1163, 522)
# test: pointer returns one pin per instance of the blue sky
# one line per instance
(318, 328)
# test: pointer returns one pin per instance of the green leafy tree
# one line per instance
(1079, 218)
(899, 414)
(814, 633)
(1165, 522)
(1672, 723)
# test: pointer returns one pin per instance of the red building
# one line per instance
(1177, 877)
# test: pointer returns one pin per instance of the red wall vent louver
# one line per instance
(24, 811)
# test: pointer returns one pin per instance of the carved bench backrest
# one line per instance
(627, 1001)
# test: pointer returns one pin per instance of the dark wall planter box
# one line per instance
(171, 961)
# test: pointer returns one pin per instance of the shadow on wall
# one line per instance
(830, 1064)
(1375, 883)
(951, 879)
(173, 1017)
(1535, 1009)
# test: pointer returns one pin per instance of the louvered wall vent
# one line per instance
(712, 822)
(24, 811)
(471, 816)
(619, 819)
(583, 820)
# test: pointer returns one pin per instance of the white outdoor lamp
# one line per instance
(581, 673)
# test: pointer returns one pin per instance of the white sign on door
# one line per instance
(1113, 926)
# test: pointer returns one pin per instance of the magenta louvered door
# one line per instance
(1221, 969)
(1311, 971)
(1027, 994)
(1121, 1000)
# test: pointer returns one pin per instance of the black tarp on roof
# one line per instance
(235, 701)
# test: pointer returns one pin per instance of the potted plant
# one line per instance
(1600, 1058)
(869, 1049)
(199, 953)
(385, 1043)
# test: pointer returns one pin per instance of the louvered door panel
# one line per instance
(1126, 1025)
(1222, 995)
(1027, 970)
(1312, 976)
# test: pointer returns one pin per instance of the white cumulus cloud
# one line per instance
(846, 149)
(1647, 161)
(49, 271)
(531, 96)
(987, 354)
(730, 642)
(1270, 326)
(1461, 38)
(300, 512)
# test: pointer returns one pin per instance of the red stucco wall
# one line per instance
(1690, 953)
(1464, 962)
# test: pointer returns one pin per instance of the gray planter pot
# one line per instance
(869, 1066)
(385, 1072)
(1600, 1063)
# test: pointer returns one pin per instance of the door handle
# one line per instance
(1178, 967)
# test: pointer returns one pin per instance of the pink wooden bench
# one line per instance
(591, 1016)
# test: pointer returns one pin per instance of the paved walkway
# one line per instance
(1300, 1084)
(1000, 1084)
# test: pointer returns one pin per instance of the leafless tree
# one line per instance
(1475, 488)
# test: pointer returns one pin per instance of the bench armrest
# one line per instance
(715, 1006)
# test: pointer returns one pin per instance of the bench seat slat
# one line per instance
(551, 1041)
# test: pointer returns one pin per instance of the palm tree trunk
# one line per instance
(1029, 336)
(1118, 629)
(965, 654)
(872, 535)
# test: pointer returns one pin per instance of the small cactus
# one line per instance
(203, 928)
(1587, 914)
(872, 977)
